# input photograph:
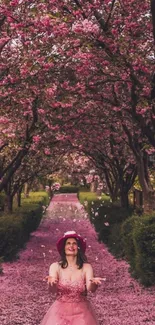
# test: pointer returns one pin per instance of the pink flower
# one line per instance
(4, 120)
(41, 111)
(55, 187)
(36, 138)
(51, 91)
(47, 151)
(14, 3)
(86, 26)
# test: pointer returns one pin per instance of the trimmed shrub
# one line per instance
(85, 195)
(107, 220)
(69, 189)
(127, 229)
(127, 236)
(115, 243)
(144, 243)
(15, 229)
(11, 236)
(32, 218)
(138, 235)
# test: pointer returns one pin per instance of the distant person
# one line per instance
(71, 279)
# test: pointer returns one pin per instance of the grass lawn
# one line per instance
(32, 201)
(91, 196)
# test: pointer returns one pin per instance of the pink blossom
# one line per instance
(47, 151)
(14, 2)
(86, 27)
(56, 186)
(41, 111)
(4, 120)
(51, 91)
(36, 138)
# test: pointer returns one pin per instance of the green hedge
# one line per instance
(69, 189)
(91, 198)
(12, 236)
(139, 239)
(107, 219)
(127, 229)
(15, 229)
(127, 236)
(87, 196)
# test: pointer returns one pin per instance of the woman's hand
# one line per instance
(97, 280)
(51, 280)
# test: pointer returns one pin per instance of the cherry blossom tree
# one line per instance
(37, 165)
(61, 60)
(111, 155)
(123, 45)
(153, 16)
(32, 106)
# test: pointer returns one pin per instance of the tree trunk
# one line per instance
(124, 199)
(113, 196)
(26, 190)
(148, 192)
(93, 186)
(112, 186)
(10, 170)
(148, 201)
(126, 182)
(153, 16)
(8, 203)
(19, 198)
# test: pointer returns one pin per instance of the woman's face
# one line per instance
(71, 247)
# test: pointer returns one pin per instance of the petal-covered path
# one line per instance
(24, 297)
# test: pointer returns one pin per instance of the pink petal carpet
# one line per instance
(24, 297)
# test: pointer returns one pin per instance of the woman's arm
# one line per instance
(53, 277)
(89, 274)
(91, 281)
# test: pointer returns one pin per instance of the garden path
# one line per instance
(24, 297)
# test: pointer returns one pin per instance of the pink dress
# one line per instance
(71, 306)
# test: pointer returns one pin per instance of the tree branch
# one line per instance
(153, 16)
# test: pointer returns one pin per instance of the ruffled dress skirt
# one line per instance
(71, 307)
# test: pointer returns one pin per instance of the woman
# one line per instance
(71, 279)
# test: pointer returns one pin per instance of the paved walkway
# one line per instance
(24, 297)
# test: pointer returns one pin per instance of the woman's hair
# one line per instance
(81, 257)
